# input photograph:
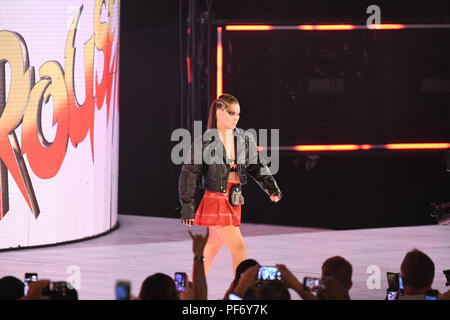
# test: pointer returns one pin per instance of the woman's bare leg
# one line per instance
(212, 248)
(232, 237)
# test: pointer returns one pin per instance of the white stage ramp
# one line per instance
(146, 245)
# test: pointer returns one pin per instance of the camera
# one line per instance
(29, 277)
(268, 273)
(180, 281)
(312, 284)
(123, 290)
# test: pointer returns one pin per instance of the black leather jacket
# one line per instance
(214, 176)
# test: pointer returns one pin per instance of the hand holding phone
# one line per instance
(268, 273)
(29, 277)
(123, 290)
(312, 284)
(180, 282)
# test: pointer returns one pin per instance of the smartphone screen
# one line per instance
(268, 273)
(123, 290)
(180, 281)
(311, 284)
(29, 277)
(392, 295)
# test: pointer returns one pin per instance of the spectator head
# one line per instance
(340, 269)
(273, 290)
(158, 286)
(417, 270)
(240, 269)
(11, 288)
(244, 265)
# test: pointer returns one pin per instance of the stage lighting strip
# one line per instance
(356, 147)
(306, 27)
(323, 27)
(328, 27)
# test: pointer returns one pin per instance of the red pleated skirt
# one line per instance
(215, 209)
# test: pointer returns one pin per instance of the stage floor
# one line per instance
(142, 246)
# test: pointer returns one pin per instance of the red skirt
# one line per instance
(215, 210)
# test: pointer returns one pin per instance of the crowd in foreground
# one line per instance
(253, 282)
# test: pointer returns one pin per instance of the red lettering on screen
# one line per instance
(25, 100)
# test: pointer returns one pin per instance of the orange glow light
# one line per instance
(335, 27)
(306, 27)
(248, 28)
(386, 26)
(343, 147)
(404, 146)
(219, 62)
(336, 147)
(188, 66)
(352, 147)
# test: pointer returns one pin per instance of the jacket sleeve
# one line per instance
(258, 169)
(187, 183)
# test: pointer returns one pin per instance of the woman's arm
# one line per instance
(259, 171)
(187, 182)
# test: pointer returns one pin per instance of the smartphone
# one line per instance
(268, 273)
(123, 290)
(180, 281)
(431, 295)
(392, 294)
(393, 281)
(29, 277)
(312, 284)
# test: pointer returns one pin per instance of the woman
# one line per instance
(235, 147)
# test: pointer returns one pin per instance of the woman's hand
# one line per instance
(188, 222)
(275, 197)
(199, 242)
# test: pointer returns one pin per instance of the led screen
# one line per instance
(59, 120)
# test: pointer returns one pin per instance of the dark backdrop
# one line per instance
(347, 190)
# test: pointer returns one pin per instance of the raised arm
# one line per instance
(199, 285)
